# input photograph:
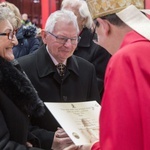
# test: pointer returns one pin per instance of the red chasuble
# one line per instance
(125, 113)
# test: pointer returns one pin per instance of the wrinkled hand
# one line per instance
(28, 144)
(82, 147)
(61, 140)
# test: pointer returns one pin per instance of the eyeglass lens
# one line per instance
(63, 40)
(73, 41)
(10, 35)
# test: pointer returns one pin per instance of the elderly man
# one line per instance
(125, 32)
(55, 72)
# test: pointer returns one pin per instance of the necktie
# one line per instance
(61, 68)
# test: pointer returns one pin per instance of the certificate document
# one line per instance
(80, 120)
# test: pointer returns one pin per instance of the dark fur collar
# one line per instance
(15, 84)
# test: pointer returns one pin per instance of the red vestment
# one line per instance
(125, 113)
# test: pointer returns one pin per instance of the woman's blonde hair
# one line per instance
(13, 15)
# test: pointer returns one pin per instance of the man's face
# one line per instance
(6, 44)
(107, 35)
(59, 51)
(99, 32)
(104, 37)
(24, 17)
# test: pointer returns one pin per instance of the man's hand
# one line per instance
(28, 144)
(82, 147)
(61, 140)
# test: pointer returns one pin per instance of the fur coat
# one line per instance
(16, 85)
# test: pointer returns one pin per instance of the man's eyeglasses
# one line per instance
(63, 40)
(10, 34)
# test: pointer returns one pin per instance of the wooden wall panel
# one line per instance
(35, 10)
(32, 9)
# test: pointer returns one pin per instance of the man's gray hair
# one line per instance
(82, 8)
(58, 16)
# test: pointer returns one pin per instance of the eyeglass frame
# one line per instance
(65, 39)
(10, 34)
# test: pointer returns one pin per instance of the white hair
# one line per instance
(61, 15)
(82, 8)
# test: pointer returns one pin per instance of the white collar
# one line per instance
(135, 19)
(53, 59)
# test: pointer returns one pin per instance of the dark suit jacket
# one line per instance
(95, 54)
(92, 52)
(79, 82)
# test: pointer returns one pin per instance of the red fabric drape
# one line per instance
(147, 4)
(48, 6)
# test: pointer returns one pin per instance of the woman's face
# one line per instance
(6, 44)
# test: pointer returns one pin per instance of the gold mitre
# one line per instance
(99, 8)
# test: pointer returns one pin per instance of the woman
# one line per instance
(18, 98)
